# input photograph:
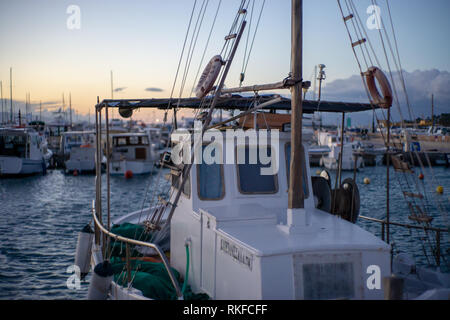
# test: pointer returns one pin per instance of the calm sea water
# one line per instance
(41, 216)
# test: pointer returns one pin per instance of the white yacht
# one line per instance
(23, 151)
(131, 152)
(330, 160)
(78, 148)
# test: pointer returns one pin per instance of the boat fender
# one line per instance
(209, 77)
(346, 197)
(83, 251)
(384, 101)
(101, 281)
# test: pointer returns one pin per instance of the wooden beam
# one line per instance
(296, 196)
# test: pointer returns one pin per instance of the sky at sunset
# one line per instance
(141, 41)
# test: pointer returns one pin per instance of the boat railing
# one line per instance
(438, 232)
(129, 242)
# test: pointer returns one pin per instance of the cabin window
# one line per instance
(121, 141)
(288, 169)
(210, 182)
(134, 140)
(250, 179)
(14, 146)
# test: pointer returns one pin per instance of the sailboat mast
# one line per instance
(296, 196)
(70, 108)
(112, 93)
(10, 93)
(1, 94)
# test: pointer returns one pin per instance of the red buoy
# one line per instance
(128, 174)
(75, 173)
(421, 176)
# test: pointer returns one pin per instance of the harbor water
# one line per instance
(40, 218)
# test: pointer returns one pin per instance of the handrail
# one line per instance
(409, 226)
(405, 225)
(140, 243)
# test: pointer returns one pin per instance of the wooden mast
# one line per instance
(296, 196)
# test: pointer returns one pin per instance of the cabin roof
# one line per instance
(238, 102)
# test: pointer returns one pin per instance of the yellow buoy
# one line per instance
(440, 189)
(366, 181)
(318, 172)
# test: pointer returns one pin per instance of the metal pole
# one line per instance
(438, 248)
(10, 85)
(108, 154)
(296, 196)
(432, 113)
(112, 92)
(342, 149)
(70, 108)
(387, 172)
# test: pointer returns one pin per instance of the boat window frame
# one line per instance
(276, 183)
(222, 176)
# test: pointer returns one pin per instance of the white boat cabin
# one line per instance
(245, 244)
(22, 151)
(331, 159)
(131, 152)
(77, 139)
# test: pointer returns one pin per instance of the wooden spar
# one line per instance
(296, 196)
(243, 114)
(98, 173)
(285, 84)
(258, 87)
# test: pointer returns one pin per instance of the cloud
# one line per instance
(120, 89)
(420, 85)
(152, 89)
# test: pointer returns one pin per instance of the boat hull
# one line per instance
(136, 167)
(19, 166)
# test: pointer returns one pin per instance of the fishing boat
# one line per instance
(23, 151)
(132, 152)
(77, 148)
(240, 229)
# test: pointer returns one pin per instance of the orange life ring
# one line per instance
(208, 77)
(384, 101)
